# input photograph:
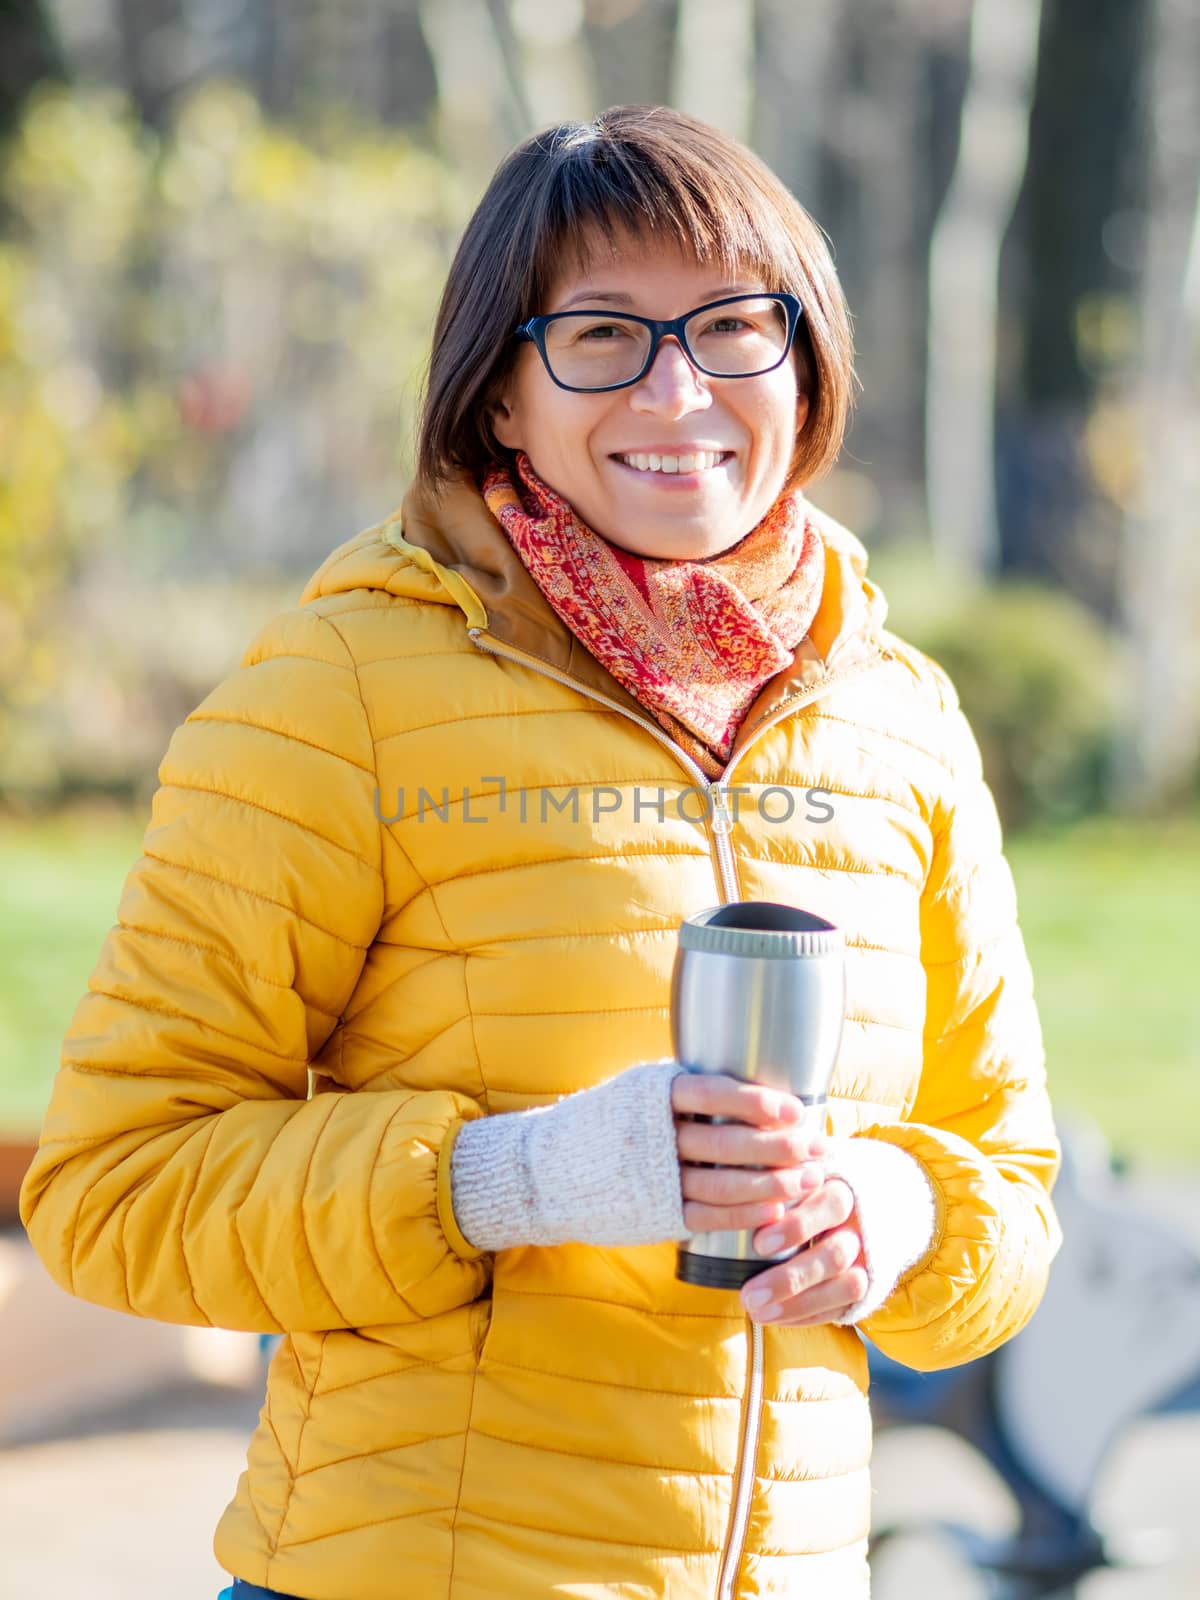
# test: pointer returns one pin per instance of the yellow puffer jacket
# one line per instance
(442, 1423)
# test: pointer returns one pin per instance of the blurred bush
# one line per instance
(1037, 673)
(210, 345)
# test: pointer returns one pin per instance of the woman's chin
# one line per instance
(676, 544)
(694, 534)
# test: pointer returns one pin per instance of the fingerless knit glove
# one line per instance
(600, 1167)
(897, 1214)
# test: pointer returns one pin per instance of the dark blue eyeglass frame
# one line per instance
(534, 330)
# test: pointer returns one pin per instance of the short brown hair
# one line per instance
(652, 172)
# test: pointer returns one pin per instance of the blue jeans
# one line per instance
(253, 1591)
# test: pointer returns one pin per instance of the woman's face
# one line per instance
(580, 444)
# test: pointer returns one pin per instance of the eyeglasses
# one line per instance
(742, 336)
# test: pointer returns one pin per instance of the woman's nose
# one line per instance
(673, 386)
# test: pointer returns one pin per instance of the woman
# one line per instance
(434, 841)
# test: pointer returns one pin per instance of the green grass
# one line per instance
(60, 881)
(1109, 911)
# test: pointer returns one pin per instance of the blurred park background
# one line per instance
(223, 230)
(224, 226)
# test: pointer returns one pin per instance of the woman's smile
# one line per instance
(675, 466)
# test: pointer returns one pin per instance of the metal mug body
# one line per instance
(759, 992)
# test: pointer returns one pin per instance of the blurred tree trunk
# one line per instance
(478, 112)
(1160, 589)
(964, 268)
(267, 67)
(151, 46)
(858, 106)
(408, 92)
(1072, 268)
(714, 63)
(889, 311)
(372, 56)
(550, 65)
(29, 53)
(795, 91)
(835, 133)
(631, 43)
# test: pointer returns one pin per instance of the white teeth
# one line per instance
(696, 461)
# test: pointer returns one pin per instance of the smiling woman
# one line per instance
(401, 1091)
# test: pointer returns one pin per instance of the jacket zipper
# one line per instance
(731, 1556)
(721, 827)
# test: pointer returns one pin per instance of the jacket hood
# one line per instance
(445, 547)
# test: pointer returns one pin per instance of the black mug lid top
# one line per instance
(760, 928)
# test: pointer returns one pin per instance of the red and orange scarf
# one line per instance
(694, 641)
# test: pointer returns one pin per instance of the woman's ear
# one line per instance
(503, 419)
(793, 482)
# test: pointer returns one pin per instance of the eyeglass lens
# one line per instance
(593, 349)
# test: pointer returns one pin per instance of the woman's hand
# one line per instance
(823, 1281)
(789, 1203)
(766, 1132)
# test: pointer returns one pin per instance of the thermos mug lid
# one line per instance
(758, 929)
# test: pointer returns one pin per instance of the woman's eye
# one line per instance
(601, 330)
(727, 325)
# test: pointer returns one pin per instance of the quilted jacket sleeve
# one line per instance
(183, 1172)
(981, 1123)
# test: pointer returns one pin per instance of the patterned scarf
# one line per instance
(694, 641)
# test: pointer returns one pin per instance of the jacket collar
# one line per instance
(455, 528)
(452, 537)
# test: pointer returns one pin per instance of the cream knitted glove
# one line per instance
(896, 1209)
(600, 1167)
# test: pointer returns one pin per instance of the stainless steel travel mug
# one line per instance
(758, 992)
